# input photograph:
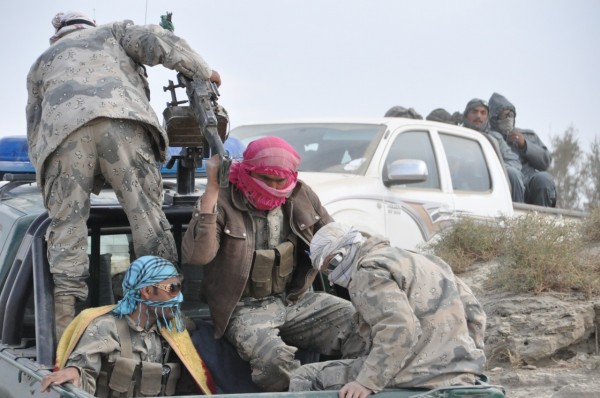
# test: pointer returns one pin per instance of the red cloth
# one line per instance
(267, 155)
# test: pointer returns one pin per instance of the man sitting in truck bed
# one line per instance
(251, 238)
(476, 117)
(105, 348)
(534, 156)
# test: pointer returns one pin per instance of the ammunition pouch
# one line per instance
(151, 379)
(271, 270)
(127, 378)
(122, 380)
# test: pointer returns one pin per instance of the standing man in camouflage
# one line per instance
(252, 239)
(89, 122)
(534, 156)
(476, 117)
(422, 326)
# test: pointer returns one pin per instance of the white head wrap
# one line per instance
(332, 239)
(65, 23)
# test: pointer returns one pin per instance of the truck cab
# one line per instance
(402, 178)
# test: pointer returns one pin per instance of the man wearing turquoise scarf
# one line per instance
(113, 349)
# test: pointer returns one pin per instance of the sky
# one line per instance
(298, 59)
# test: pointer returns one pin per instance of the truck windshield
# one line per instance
(323, 147)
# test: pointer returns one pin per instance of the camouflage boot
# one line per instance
(64, 312)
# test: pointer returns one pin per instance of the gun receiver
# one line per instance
(200, 128)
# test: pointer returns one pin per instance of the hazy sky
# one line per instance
(285, 59)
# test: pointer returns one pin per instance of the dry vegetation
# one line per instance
(536, 253)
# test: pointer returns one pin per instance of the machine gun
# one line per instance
(200, 128)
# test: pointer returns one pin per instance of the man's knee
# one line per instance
(271, 370)
(541, 189)
(302, 379)
(542, 179)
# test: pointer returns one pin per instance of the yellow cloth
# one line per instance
(180, 342)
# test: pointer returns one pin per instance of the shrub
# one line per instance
(536, 253)
(542, 253)
(467, 242)
(590, 228)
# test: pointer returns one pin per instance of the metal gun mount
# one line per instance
(200, 128)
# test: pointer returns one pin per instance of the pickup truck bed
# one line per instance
(27, 348)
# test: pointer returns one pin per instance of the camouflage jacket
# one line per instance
(100, 344)
(413, 319)
(97, 72)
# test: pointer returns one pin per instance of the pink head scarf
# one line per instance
(65, 23)
(268, 155)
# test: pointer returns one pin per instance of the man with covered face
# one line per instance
(534, 156)
(476, 117)
(119, 348)
(252, 239)
(422, 326)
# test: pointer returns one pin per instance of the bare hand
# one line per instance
(514, 137)
(354, 390)
(215, 78)
(212, 172)
(66, 375)
(211, 193)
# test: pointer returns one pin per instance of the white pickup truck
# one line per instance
(402, 178)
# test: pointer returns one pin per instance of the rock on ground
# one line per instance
(542, 345)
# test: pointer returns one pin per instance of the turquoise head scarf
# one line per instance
(147, 271)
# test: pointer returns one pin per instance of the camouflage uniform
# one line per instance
(88, 120)
(413, 321)
(266, 332)
(100, 345)
(266, 328)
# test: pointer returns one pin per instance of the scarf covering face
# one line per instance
(332, 239)
(65, 23)
(506, 125)
(267, 155)
(147, 271)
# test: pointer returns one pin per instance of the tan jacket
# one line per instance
(225, 243)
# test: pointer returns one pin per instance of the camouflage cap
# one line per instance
(65, 23)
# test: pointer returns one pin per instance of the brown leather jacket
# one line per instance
(224, 243)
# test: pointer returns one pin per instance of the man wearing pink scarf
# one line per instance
(252, 239)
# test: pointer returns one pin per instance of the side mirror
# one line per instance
(405, 171)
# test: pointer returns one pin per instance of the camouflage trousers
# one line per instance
(333, 375)
(267, 332)
(329, 375)
(117, 151)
